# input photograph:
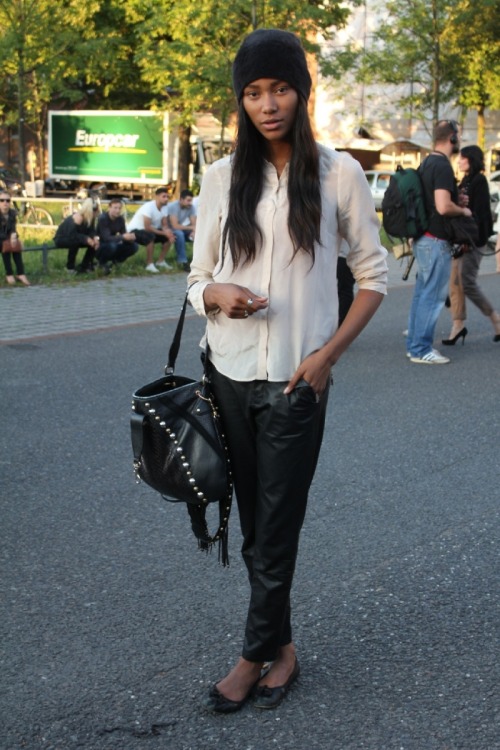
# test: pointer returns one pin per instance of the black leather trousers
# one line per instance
(274, 442)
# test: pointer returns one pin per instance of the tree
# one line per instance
(432, 52)
(475, 31)
(185, 49)
(64, 54)
(38, 53)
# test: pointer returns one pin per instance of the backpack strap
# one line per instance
(430, 204)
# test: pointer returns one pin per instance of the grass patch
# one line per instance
(56, 268)
(56, 259)
(56, 273)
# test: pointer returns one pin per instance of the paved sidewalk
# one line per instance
(49, 310)
(39, 310)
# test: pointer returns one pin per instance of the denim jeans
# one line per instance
(116, 252)
(431, 287)
(180, 244)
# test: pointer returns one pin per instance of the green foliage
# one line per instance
(475, 31)
(439, 52)
(176, 54)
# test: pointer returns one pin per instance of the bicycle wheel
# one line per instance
(38, 216)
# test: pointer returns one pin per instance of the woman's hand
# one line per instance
(315, 370)
(235, 301)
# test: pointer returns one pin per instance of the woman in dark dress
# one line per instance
(464, 270)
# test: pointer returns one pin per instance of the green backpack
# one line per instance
(404, 213)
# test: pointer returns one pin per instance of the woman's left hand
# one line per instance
(315, 370)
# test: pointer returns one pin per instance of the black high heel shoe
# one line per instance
(460, 335)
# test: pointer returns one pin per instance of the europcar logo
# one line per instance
(111, 143)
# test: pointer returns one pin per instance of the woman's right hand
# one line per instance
(235, 301)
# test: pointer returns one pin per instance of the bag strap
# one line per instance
(176, 342)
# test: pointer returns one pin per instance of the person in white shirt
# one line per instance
(151, 217)
(182, 219)
(270, 222)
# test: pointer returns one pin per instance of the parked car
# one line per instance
(10, 180)
(494, 184)
(378, 181)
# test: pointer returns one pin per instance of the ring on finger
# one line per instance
(250, 302)
(245, 314)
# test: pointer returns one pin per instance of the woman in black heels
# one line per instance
(464, 270)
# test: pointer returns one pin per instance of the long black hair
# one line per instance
(475, 157)
(241, 230)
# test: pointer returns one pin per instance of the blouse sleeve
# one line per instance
(207, 242)
(359, 225)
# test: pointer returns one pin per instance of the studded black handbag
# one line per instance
(179, 446)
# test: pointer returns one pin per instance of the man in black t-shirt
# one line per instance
(116, 244)
(432, 251)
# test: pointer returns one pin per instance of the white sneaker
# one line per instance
(431, 358)
(152, 268)
(408, 354)
(164, 264)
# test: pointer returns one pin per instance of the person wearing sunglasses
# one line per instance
(10, 243)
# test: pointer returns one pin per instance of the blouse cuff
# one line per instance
(195, 296)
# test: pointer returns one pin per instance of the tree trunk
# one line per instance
(480, 126)
(184, 159)
(20, 123)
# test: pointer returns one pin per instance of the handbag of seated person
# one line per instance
(12, 245)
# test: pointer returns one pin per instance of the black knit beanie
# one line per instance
(271, 53)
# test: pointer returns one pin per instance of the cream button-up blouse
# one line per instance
(303, 304)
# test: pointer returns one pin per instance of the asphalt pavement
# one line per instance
(113, 624)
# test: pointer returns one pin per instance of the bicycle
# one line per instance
(31, 214)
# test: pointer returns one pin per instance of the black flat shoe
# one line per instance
(217, 703)
(267, 697)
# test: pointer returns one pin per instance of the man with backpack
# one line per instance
(432, 250)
